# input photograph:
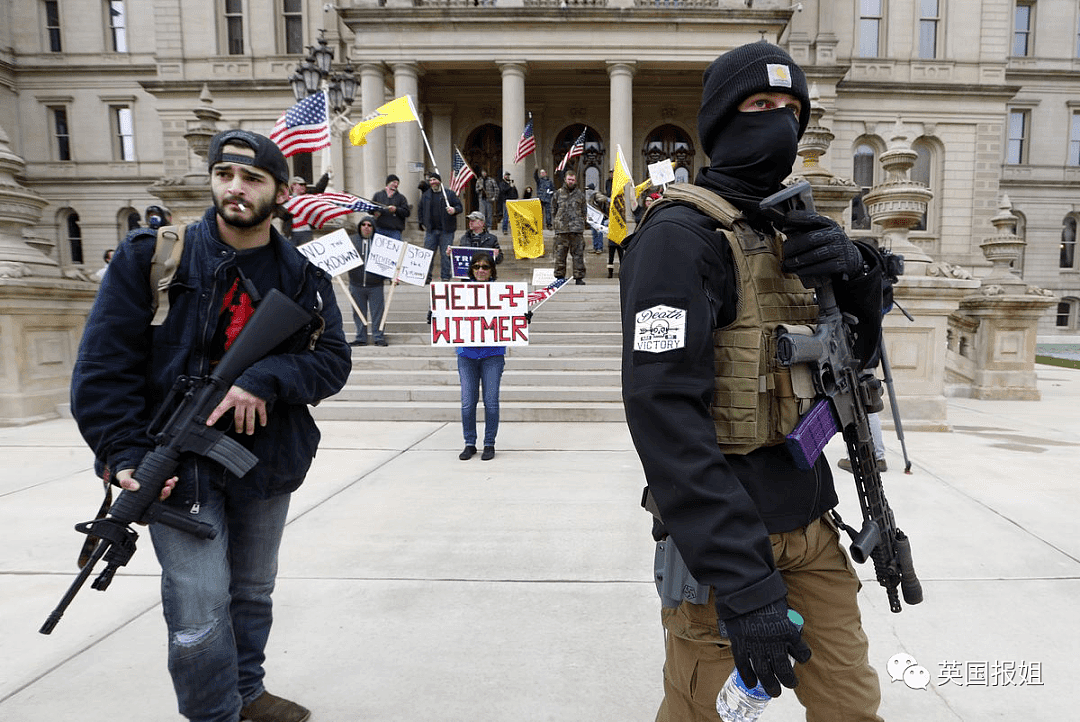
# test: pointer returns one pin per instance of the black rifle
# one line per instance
(188, 405)
(850, 395)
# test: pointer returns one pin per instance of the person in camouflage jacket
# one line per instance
(568, 217)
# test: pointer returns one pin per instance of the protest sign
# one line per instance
(662, 172)
(334, 252)
(415, 264)
(479, 314)
(461, 258)
(543, 276)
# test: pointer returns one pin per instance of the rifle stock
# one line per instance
(275, 319)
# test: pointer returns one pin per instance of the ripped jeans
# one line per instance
(215, 595)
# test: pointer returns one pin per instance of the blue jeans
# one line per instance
(597, 240)
(389, 232)
(472, 371)
(371, 303)
(439, 241)
(215, 595)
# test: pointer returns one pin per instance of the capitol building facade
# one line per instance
(102, 99)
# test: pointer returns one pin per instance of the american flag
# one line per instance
(578, 148)
(462, 174)
(316, 209)
(303, 128)
(540, 295)
(527, 144)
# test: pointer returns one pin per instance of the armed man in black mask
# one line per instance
(742, 532)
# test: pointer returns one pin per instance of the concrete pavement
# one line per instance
(414, 586)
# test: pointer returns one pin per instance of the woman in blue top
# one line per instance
(478, 364)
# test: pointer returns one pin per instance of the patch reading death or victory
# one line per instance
(660, 328)
(779, 75)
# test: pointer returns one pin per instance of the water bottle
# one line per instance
(739, 703)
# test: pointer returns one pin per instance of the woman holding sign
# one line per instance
(476, 365)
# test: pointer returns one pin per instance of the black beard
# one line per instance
(259, 214)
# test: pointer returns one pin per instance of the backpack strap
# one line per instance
(167, 252)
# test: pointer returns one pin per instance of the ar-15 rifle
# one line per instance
(275, 319)
(847, 395)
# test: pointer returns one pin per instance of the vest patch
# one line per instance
(659, 329)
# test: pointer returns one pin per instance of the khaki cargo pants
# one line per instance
(836, 685)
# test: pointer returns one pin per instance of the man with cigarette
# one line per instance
(215, 593)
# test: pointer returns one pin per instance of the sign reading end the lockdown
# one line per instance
(334, 252)
(479, 314)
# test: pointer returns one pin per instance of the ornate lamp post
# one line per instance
(316, 72)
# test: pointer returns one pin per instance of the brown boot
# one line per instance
(270, 708)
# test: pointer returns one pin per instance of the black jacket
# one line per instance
(125, 367)
(393, 221)
(718, 509)
(432, 213)
(481, 240)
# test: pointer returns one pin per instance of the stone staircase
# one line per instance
(570, 371)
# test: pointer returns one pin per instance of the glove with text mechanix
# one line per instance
(817, 247)
(761, 641)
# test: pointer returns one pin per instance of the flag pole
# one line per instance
(348, 295)
(327, 160)
(434, 163)
(394, 284)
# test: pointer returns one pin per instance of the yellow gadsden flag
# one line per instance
(399, 110)
(527, 227)
(617, 211)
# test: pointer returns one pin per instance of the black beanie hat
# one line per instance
(267, 155)
(758, 67)
(391, 178)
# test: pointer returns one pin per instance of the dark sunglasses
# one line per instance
(481, 266)
(366, 224)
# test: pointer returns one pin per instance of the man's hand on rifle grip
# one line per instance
(126, 480)
(247, 408)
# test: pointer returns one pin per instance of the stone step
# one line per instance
(516, 374)
(451, 411)
(446, 362)
(508, 393)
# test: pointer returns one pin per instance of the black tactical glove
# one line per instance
(761, 641)
(817, 247)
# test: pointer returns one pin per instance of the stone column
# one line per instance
(621, 122)
(1007, 312)
(42, 313)
(410, 152)
(373, 154)
(916, 349)
(441, 137)
(513, 119)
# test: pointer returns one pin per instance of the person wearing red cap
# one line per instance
(705, 280)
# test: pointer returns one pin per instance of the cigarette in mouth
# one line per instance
(241, 206)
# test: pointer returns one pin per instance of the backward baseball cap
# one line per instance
(267, 155)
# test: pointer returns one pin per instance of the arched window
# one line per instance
(127, 220)
(72, 238)
(583, 165)
(1020, 232)
(482, 151)
(920, 173)
(1067, 257)
(1066, 314)
(670, 141)
(864, 163)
